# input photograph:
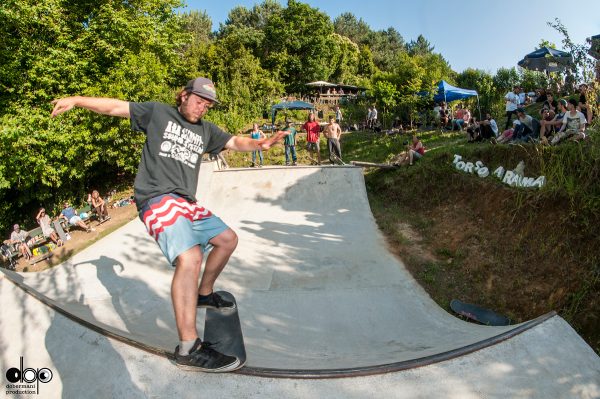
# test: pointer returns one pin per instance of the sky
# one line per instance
(482, 34)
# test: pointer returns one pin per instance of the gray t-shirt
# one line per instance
(172, 154)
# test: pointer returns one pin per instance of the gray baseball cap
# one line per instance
(204, 88)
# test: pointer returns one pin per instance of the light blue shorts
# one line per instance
(178, 225)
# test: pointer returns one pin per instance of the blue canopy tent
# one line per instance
(293, 105)
(448, 93)
(546, 59)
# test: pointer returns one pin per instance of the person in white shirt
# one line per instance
(573, 124)
(374, 117)
(488, 127)
(522, 97)
(512, 103)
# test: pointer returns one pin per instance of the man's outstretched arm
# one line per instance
(238, 143)
(99, 105)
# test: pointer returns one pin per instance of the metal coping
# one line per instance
(297, 373)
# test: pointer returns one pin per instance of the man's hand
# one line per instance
(267, 143)
(63, 105)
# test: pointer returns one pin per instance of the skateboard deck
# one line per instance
(479, 314)
(103, 221)
(59, 230)
(337, 159)
(222, 328)
(39, 258)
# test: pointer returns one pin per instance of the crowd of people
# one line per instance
(332, 132)
(21, 241)
(558, 120)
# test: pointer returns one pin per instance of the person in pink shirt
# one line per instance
(313, 129)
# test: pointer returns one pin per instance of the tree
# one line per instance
(50, 49)
(385, 46)
(583, 64)
(356, 30)
(419, 47)
(345, 58)
(505, 79)
(297, 45)
(366, 66)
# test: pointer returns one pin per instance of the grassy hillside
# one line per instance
(520, 251)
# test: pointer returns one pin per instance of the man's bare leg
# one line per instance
(224, 245)
(184, 292)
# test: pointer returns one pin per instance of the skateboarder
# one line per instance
(164, 188)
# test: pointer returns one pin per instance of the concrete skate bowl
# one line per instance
(319, 294)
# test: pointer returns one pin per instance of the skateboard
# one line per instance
(40, 258)
(103, 220)
(59, 230)
(222, 328)
(479, 314)
(337, 159)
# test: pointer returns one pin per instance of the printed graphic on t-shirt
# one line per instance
(181, 144)
(573, 124)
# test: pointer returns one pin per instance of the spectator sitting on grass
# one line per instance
(44, 221)
(21, 240)
(507, 135)
(473, 131)
(549, 127)
(413, 152)
(550, 104)
(459, 114)
(528, 127)
(488, 128)
(70, 215)
(573, 124)
(99, 206)
(444, 115)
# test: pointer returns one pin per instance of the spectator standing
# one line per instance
(583, 106)
(290, 143)
(21, 240)
(338, 115)
(369, 117)
(257, 134)
(512, 103)
(373, 117)
(45, 223)
(313, 129)
(99, 206)
(522, 97)
(333, 133)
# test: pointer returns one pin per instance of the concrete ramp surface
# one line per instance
(319, 294)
